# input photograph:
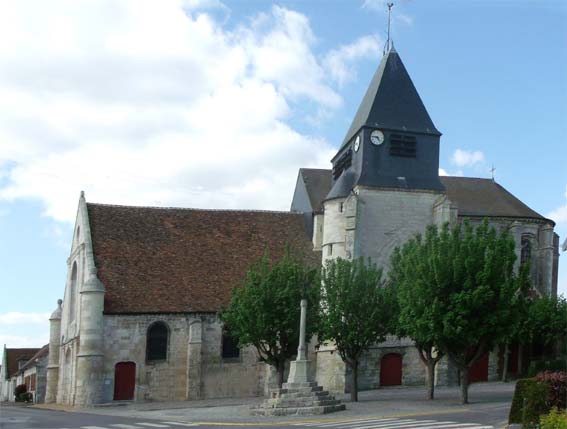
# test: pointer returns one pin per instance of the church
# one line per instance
(139, 319)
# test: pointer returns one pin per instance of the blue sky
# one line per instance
(208, 104)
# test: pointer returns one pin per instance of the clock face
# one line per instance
(377, 137)
(356, 143)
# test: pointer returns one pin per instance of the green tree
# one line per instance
(519, 317)
(357, 310)
(265, 312)
(466, 277)
(547, 321)
(417, 286)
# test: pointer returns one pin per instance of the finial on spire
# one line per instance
(492, 170)
(82, 194)
(389, 42)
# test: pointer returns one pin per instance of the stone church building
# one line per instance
(139, 319)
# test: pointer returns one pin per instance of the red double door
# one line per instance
(124, 381)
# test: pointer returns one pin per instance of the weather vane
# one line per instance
(492, 170)
(388, 41)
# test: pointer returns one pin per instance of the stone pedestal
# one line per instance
(298, 399)
(300, 395)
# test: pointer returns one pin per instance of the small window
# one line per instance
(330, 249)
(402, 145)
(343, 163)
(230, 349)
(341, 207)
(156, 342)
(526, 251)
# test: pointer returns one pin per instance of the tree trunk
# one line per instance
(354, 382)
(464, 385)
(281, 370)
(430, 378)
(505, 366)
(520, 359)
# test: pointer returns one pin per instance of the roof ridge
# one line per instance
(192, 209)
(466, 177)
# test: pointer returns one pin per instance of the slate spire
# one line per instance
(392, 102)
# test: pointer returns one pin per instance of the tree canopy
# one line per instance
(265, 311)
(464, 287)
(357, 308)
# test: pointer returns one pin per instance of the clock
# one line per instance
(356, 143)
(377, 137)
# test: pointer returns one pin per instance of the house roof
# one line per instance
(44, 351)
(13, 356)
(485, 197)
(473, 197)
(173, 260)
(391, 101)
(317, 183)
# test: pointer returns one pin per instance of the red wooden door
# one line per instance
(124, 381)
(479, 371)
(391, 370)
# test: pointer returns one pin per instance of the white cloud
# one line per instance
(443, 172)
(463, 158)
(559, 215)
(19, 329)
(16, 318)
(147, 102)
(339, 61)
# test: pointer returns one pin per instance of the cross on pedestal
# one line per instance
(299, 368)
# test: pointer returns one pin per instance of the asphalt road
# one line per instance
(29, 418)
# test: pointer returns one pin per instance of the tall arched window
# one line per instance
(526, 251)
(73, 293)
(156, 341)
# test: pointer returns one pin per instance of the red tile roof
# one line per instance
(44, 351)
(170, 260)
(13, 356)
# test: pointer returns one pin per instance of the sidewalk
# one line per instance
(388, 402)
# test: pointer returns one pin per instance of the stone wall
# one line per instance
(207, 376)
(387, 218)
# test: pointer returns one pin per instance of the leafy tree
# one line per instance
(358, 309)
(547, 321)
(468, 286)
(417, 290)
(520, 310)
(265, 312)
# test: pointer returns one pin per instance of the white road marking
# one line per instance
(181, 424)
(396, 424)
(153, 425)
(389, 424)
(123, 426)
(92, 427)
(351, 422)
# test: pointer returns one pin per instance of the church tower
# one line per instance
(385, 188)
(385, 176)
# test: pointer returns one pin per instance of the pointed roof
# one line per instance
(391, 101)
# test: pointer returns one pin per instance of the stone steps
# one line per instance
(298, 411)
(299, 402)
(298, 399)
(319, 394)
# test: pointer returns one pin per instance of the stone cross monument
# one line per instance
(299, 368)
(300, 395)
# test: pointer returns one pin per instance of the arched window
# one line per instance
(156, 341)
(230, 349)
(526, 250)
(73, 293)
